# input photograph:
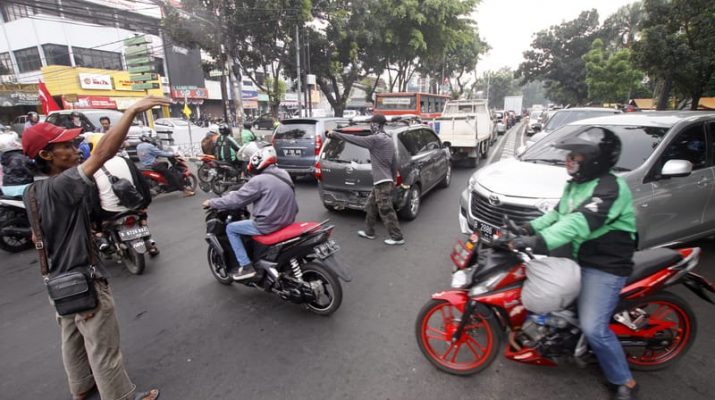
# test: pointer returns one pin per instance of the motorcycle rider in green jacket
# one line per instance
(595, 216)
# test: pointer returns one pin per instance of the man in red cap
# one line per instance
(90, 340)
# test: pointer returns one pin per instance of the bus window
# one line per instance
(395, 102)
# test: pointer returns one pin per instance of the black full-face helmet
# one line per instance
(600, 148)
(224, 129)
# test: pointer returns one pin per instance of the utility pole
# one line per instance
(224, 91)
(235, 90)
(297, 63)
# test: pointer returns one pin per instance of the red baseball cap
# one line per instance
(38, 136)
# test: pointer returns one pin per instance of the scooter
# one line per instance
(158, 182)
(297, 263)
(129, 241)
(15, 230)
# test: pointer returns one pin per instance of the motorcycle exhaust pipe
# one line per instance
(15, 231)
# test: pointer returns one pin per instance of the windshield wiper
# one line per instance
(552, 161)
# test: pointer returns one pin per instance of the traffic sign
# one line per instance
(143, 77)
(215, 72)
(141, 69)
(141, 50)
(145, 86)
(137, 40)
(134, 62)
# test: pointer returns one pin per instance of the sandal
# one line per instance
(152, 394)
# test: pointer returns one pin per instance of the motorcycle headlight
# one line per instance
(487, 284)
(459, 279)
(546, 205)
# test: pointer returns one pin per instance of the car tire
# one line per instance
(412, 207)
(447, 178)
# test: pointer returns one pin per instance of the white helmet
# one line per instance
(213, 128)
(262, 159)
(9, 141)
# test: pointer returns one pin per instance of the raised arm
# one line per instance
(113, 139)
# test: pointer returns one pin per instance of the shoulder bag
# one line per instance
(125, 191)
(73, 291)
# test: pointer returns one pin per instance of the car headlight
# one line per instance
(459, 279)
(546, 205)
(472, 183)
(488, 284)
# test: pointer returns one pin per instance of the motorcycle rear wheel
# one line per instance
(330, 301)
(666, 346)
(435, 326)
(135, 262)
(204, 173)
(217, 267)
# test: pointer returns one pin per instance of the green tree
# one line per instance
(534, 93)
(677, 47)
(610, 78)
(257, 34)
(621, 29)
(556, 58)
(500, 83)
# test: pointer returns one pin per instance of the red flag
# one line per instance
(48, 103)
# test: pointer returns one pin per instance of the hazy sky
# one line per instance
(508, 25)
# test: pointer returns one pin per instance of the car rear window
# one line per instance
(295, 131)
(562, 118)
(341, 151)
(638, 143)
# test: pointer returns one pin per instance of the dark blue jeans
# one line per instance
(596, 303)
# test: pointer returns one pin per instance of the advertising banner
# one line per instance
(95, 81)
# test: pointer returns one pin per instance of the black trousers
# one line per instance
(171, 176)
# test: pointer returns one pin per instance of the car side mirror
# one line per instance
(676, 169)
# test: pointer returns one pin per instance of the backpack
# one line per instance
(125, 191)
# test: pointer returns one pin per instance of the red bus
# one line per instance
(425, 105)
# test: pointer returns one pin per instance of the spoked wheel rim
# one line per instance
(15, 242)
(325, 299)
(217, 266)
(665, 344)
(415, 201)
(471, 351)
(205, 173)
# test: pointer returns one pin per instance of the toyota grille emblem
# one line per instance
(494, 199)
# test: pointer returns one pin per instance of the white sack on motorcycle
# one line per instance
(552, 284)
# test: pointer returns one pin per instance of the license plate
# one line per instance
(487, 231)
(327, 249)
(134, 233)
(292, 152)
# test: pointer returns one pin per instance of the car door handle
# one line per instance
(703, 182)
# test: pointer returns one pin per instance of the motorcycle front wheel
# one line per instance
(15, 243)
(218, 269)
(204, 173)
(328, 287)
(436, 324)
(190, 182)
(134, 261)
(667, 344)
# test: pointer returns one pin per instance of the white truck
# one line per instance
(513, 103)
(466, 127)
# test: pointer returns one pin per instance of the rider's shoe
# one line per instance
(394, 242)
(364, 234)
(624, 392)
(244, 272)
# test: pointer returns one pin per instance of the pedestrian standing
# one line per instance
(383, 161)
(59, 209)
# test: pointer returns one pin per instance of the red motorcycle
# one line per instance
(460, 331)
(158, 183)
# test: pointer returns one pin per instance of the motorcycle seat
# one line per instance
(3, 197)
(647, 262)
(289, 232)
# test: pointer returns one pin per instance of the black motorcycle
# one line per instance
(129, 241)
(15, 231)
(297, 263)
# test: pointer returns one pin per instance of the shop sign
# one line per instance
(249, 94)
(178, 92)
(123, 84)
(250, 104)
(95, 81)
(84, 102)
(11, 99)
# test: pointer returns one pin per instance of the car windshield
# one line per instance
(564, 117)
(638, 144)
(93, 117)
(343, 152)
(295, 131)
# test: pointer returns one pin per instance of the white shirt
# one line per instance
(118, 167)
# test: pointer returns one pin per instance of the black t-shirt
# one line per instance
(64, 211)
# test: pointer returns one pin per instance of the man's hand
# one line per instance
(206, 204)
(148, 103)
(535, 243)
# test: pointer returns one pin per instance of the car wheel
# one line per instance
(412, 206)
(447, 177)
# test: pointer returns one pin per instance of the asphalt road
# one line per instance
(197, 339)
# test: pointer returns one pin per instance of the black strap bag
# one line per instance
(73, 291)
(128, 195)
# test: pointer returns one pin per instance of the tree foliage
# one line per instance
(611, 77)
(556, 58)
(677, 46)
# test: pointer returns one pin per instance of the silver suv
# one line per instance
(667, 160)
(344, 172)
